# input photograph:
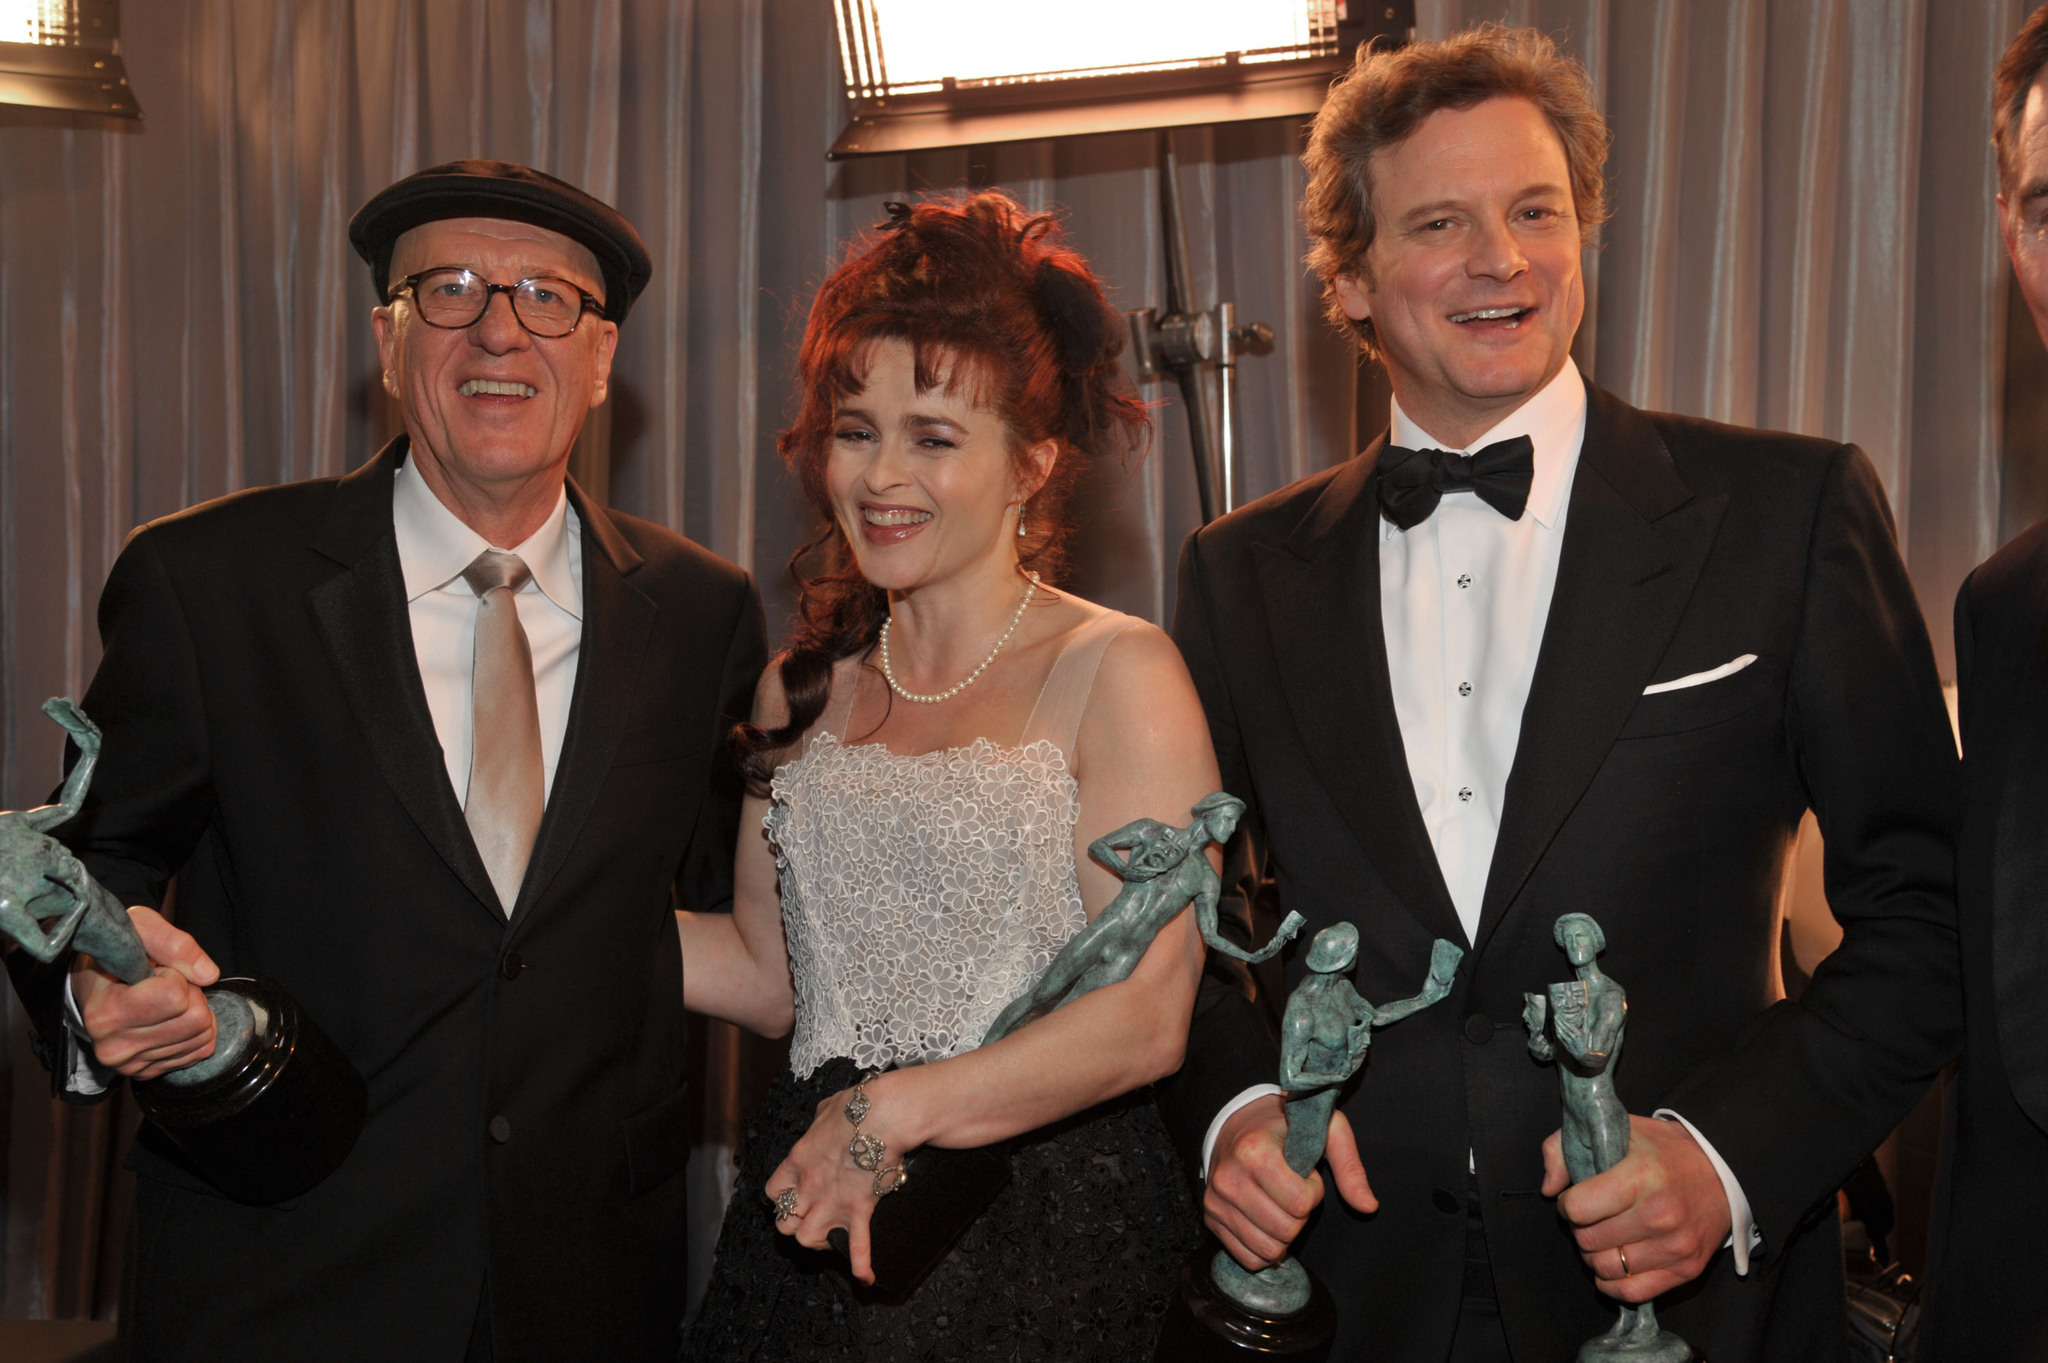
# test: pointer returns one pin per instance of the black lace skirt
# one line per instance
(1075, 1261)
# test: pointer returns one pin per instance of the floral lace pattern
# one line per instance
(920, 893)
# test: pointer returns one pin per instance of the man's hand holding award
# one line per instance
(273, 1108)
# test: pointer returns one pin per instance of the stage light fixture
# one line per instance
(64, 54)
(937, 73)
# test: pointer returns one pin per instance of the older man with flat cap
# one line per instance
(434, 745)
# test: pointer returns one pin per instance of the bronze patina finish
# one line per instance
(1323, 1040)
(48, 901)
(1587, 1016)
(1164, 870)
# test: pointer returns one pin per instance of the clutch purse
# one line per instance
(915, 1227)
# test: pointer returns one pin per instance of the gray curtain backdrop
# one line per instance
(1803, 238)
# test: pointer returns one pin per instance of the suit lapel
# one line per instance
(1635, 539)
(361, 617)
(1322, 596)
(2019, 869)
(617, 619)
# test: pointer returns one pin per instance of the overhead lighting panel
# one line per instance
(933, 73)
(64, 54)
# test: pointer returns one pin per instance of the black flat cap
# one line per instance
(503, 189)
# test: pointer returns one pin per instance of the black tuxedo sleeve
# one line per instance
(151, 795)
(1816, 1083)
(1231, 1045)
(704, 881)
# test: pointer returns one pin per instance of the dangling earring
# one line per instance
(1020, 520)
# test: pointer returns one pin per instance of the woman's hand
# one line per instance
(831, 1190)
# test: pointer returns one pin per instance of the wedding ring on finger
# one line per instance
(785, 1205)
(1626, 1271)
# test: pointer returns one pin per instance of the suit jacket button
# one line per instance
(501, 1130)
(1478, 1030)
(512, 965)
(1447, 1201)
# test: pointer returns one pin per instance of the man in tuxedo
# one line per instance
(1988, 1278)
(435, 745)
(1537, 652)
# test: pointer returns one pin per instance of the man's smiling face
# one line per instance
(491, 404)
(2023, 214)
(1472, 281)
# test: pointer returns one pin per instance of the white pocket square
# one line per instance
(1712, 674)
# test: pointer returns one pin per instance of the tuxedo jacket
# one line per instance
(1989, 1280)
(267, 740)
(1668, 817)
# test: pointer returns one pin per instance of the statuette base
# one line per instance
(277, 1116)
(1204, 1325)
(1637, 1338)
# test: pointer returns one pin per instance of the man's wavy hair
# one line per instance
(2018, 69)
(1384, 98)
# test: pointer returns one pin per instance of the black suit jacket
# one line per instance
(1668, 817)
(268, 742)
(1989, 1281)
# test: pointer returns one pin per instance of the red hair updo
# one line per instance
(988, 296)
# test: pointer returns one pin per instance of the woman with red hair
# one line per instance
(931, 758)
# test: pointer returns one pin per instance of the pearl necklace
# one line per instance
(972, 677)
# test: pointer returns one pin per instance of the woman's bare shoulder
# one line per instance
(1136, 638)
(1141, 655)
(1141, 681)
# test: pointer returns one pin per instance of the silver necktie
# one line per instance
(507, 786)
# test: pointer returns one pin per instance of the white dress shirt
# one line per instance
(1464, 597)
(1463, 600)
(434, 546)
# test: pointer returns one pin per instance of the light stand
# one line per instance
(1184, 342)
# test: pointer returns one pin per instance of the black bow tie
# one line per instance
(1412, 482)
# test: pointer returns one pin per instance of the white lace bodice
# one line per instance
(919, 894)
(923, 892)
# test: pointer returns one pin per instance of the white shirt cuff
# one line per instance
(85, 1074)
(1743, 1237)
(1229, 1110)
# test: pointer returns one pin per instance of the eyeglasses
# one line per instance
(454, 298)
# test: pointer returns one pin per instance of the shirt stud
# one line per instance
(1464, 688)
(1464, 580)
(1465, 793)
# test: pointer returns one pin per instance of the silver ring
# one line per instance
(785, 1204)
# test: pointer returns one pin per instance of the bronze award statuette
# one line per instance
(1587, 1016)
(1224, 1311)
(936, 1194)
(275, 1108)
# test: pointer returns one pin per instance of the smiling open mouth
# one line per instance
(494, 388)
(875, 515)
(1512, 316)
